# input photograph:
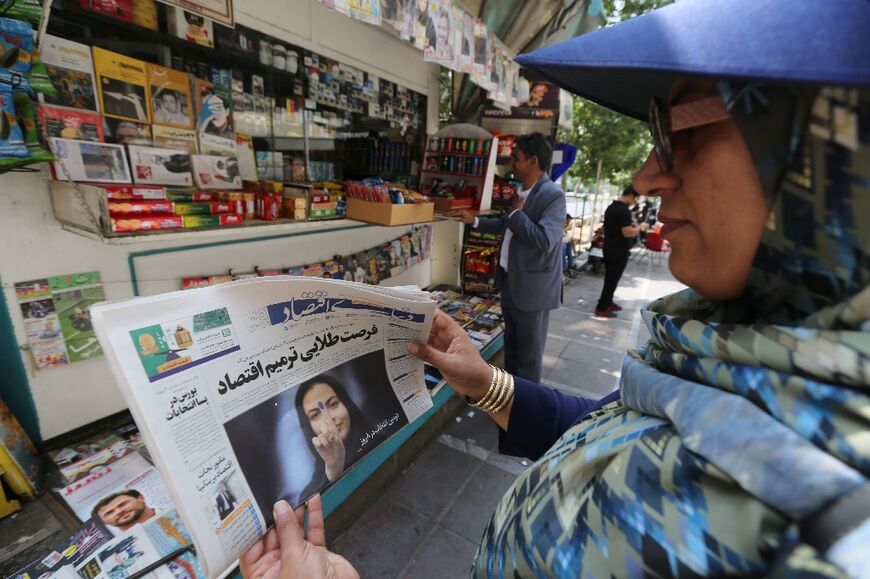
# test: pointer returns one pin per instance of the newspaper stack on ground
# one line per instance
(263, 389)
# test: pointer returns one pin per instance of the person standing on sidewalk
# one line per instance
(529, 276)
(619, 228)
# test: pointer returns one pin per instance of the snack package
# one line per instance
(11, 137)
(39, 79)
(120, 9)
(27, 122)
(136, 207)
(212, 220)
(70, 123)
(136, 192)
(146, 223)
(30, 10)
(15, 34)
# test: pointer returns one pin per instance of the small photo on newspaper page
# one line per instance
(298, 442)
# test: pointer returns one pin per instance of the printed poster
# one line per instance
(57, 320)
(169, 97)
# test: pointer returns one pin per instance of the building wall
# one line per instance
(34, 245)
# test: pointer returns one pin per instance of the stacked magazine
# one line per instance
(263, 389)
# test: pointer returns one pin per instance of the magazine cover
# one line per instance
(127, 132)
(214, 121)
(78, 461)
(190, 26)
(71, 552)
(122, 85)
(175, 138)
(98, 162)
(120, 9)
(71, 70)
(247, 157)
(169, 97)
(153, 166)
(215, 172)
(263, 389)
(67, 123)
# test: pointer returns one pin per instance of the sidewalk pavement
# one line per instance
(428, 522)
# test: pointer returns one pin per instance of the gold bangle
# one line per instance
(486, 399)
(508, 394)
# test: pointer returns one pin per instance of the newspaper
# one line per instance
(263, 389)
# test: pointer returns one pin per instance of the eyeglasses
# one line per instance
(666, 120)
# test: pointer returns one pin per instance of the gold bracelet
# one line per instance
(501, 393)
(508, 394)
(487, 397)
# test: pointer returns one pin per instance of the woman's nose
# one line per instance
(650, 180)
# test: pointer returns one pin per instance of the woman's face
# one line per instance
(325, 411)
(712, 202)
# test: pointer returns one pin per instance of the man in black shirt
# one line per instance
(619, 228)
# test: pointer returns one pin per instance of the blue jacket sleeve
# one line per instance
(540, 415)
(490, 224)
(545, 233)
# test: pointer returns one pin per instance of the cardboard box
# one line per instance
(138, 192)
(184, 208)
(388, 213)
(212, 220)
(146, 223)
(122, 207)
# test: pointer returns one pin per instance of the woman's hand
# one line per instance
(285, 553)
(330, 447)
(453, 353)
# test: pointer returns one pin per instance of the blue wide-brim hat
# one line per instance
(622, 67)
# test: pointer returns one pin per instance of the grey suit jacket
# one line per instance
(535, 257)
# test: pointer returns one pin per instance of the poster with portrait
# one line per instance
(481, 47)
(440, 49)
(123, 132)
(220, 11)
(287, 446)
(169, 97)
(466, 58)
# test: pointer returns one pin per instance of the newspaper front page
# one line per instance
(260, 390)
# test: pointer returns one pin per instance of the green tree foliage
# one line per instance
(620, 143)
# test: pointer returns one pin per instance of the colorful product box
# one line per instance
(137, 192)
(190, 26)
(320, 213)
(295, 214)
(295, 202)
(216, 172)
(185, 208)
(191, 196)
(212, 220)
(322, 206)
(320, 199)
(118, 208)
(70, 123)
(146, 223)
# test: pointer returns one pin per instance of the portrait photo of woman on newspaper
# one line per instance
(304, 438)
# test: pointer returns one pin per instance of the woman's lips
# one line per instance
(670, 225)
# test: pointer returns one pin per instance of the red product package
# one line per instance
(232, 219)
(70, 123)
(146, 223)
(222, 208)
(139, 192)
(120, 9)
(124, 207)
(269, 206)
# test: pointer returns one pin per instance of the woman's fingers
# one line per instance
(289, 533)
(431, 355)
(316, 527)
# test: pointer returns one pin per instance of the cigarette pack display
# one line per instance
(71, 70)
(120, 9)
(191, 196)
(122, 83)
(216, 172)
(213, 220)
(169, 97)
(175, 138)
(146, 223)
(121, 207)
(191, 208)
(70, 123)
(155, 166)
(138, 192)
(84, 161)
(214, 121)
(189, 26)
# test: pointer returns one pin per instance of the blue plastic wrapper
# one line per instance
(16, 34)
(11, 137)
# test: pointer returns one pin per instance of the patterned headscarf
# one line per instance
(739, 420)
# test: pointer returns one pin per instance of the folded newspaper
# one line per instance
(264, 389)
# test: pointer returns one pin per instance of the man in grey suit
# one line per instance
(530, 265)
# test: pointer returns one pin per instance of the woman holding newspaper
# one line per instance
(737, 442)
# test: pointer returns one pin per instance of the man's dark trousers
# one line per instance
(614, 266)
(525, 336)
